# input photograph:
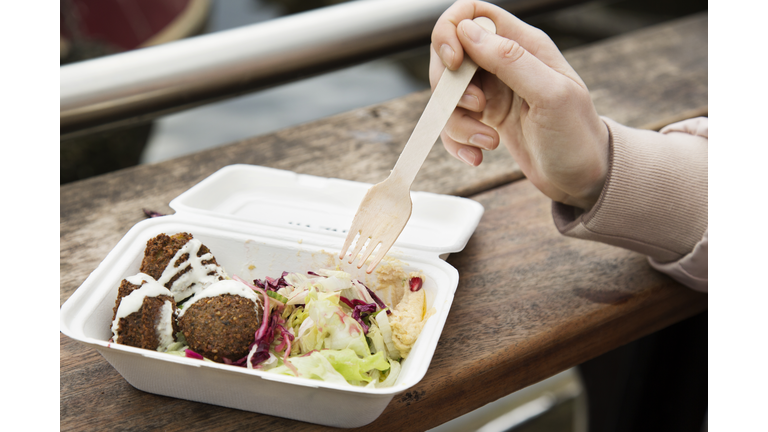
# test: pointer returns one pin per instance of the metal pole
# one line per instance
(143, 84)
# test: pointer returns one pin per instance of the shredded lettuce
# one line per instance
(332, 280)
(386, 332)
(336, 366)
(333, 329)
(324, 326)
(313, 366)
(377, 340)
(394, 372)
(353, 368)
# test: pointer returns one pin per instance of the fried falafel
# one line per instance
(220, 322)
(143, 315)
(181, 263)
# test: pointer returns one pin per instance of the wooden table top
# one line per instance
(530, 302)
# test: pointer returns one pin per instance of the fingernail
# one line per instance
(481, 140)
(446, 55)
(469, 101)
(467, 156)
(473, 31)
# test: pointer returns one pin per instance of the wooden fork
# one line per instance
(386, 207)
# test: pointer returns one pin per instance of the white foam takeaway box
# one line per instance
(259, 222)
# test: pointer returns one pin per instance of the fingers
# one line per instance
(444, 37)
(473, 98)
(449, 47)
(465, 137)
(472, 156)
(463, 128)
(445, 43)
(436, 67)
(523, 72)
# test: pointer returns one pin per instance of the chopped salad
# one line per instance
(328, 326)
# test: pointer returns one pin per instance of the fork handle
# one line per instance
(441, 104)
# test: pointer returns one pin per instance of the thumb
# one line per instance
(525, 74)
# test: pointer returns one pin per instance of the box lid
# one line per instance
(319, 206)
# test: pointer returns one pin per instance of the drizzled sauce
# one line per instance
(164, 327)
(133, 301)
(193, 281)
(218, 288)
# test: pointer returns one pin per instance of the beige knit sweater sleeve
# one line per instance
(654, 200)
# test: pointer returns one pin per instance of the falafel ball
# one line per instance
(221, 327)
(152, 326)
(161, 250)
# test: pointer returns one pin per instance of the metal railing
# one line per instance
(144, 84)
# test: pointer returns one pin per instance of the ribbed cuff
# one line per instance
(655, 196)
(691, 270)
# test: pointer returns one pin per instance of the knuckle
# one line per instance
(456, 127)
(510, 51)
(453, 133)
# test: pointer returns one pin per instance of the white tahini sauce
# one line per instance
(133, 301)
(197, 278)
(165, 326)
(232, 287)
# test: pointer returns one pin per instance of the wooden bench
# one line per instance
(530, 302)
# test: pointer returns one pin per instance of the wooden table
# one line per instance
(530, 302)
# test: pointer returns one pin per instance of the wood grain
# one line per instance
(662, 67)
(530, 302)
(363, 144)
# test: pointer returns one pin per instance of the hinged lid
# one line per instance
(324, 206)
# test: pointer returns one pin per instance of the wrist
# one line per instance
(655, 195)
(596, 174)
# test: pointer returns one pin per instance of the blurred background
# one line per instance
(94, 28)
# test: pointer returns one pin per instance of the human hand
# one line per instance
(528, 97)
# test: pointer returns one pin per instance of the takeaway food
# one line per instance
(143, 314)
(180, 263)
(173, 269)
(219, 322)
(320, 325)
